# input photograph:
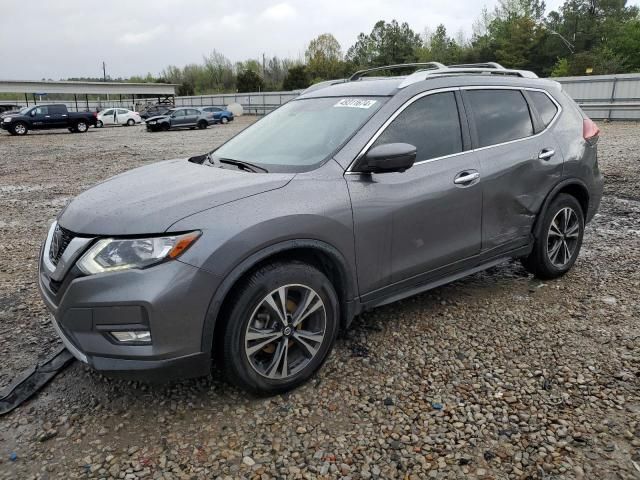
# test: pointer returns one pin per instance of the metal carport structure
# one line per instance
(165, 92)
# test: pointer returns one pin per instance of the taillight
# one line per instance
(590, 130)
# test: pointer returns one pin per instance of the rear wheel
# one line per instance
(81, 127)
(560, 239)
(131, 122)
(280, 329)
(20, 128)
(202, 124)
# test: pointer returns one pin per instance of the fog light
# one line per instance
(138, 336)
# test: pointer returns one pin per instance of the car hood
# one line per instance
(158, 117)
(150, 199)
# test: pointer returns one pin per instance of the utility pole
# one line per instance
(104, 72)
(263, 65)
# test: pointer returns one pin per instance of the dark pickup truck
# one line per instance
(41, 117)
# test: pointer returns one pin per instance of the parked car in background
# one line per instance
(183, 117)
(351, 196)
(220, 115)
(9, 108)
(45, 117)
(149, 111)
(118, 116)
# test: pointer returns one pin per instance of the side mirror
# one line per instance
(32, 113)
(387, 158)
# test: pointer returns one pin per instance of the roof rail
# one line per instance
(495, 69)
(478, 65)
(430, 65)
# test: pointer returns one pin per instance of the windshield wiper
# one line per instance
(249, 167)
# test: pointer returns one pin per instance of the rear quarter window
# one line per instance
(499, 115)
(544, 106)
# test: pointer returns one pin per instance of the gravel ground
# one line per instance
(495, 376)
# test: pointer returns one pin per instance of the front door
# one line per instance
(411, 226)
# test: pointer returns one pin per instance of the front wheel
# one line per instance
(99, 124)
(280, 329)
(224, 120)
(560, 239)
(20, 128)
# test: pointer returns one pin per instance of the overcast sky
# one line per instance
(69, 38)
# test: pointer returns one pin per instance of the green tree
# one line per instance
(249, 81)
(324, 57)
(297, 78)
(388, 43)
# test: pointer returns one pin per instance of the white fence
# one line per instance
(613, 97)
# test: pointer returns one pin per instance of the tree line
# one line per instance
(581, 37)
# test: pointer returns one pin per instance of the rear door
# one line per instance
(122, 115)
(520, 161)
(192, 116)
(58, 116)
(410, 225)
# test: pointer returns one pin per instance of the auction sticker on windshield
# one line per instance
(355, 103)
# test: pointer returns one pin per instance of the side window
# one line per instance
(545, 107)
(42, 111)
(500, 115)
(179, 113)
(57, 110)
(194, 112)
(431, 124)
(122, 111)
(108, 112)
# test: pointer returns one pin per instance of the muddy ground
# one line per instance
(495, 376)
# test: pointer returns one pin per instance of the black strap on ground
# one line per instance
(33, 379)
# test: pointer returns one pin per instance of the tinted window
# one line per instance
(108, 112)
(500, 115)
(178, 113)
(193, 112)
(431, 124)
(57, 109)
(545, 107)
(42, 111)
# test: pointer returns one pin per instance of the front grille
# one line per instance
(59, 243)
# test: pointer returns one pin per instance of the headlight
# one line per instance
(7, 120)
(112, 254)
(152, 122)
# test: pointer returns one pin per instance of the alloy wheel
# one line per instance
(563, 237)
(285, 331)
(20, 129)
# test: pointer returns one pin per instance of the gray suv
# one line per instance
(358, 193)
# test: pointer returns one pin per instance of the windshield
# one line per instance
(301, 134)
(24, 110)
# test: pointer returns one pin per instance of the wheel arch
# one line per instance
(320, 254)
(574, 187)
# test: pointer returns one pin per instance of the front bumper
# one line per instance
(170, 300)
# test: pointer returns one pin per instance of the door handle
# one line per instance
(466, 177)
(546, 154)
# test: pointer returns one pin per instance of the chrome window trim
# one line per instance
(413, 99)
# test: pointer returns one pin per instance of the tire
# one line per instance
(81, 127)
(20, 128)
(99, 124)
(165, 127)
(560, 239)
(260, 367)
(131, 122)
(224, 120)
(202, 124)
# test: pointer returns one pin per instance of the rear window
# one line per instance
(500, 116)
(544, 106)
